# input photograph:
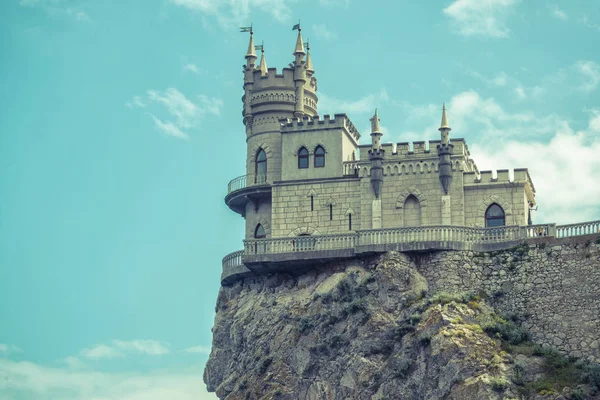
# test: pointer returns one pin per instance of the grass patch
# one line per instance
(498, 384)
(447, 297)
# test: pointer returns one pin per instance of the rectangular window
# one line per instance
(349, 222)
(331, 212)
(312, 203)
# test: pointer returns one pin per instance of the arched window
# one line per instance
(261, 167)
(319, 157)
(259, 232)
(494, 216)
(412, 211)
(302, 158)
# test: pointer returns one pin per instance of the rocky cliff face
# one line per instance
(371, 329)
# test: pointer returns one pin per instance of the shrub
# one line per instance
(498, 384)
(506, 330)
(401, 367)
(446, 297)
(592, 376)
(265, 365)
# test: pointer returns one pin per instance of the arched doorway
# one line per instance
(412, 211)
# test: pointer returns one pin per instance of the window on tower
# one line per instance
(259, 232)
(319, 157)
(494, 216)
(261, 167)
(302, 158)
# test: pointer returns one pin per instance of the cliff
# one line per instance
(446, 325)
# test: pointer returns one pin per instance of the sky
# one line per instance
(120, 127)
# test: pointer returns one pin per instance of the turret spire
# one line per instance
(263, 63)
(375, 128)
(251, 52)
(444, 124)
(299, 50)
(309, 65)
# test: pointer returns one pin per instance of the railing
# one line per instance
(350, 168)
(582, 228)
(300, 244)
(241, 182)
(233, 260)
(531, 231)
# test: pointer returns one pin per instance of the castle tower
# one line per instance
(445, 150)
(376, 154)
(299, 75)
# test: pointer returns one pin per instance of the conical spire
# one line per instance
(299, 45)
(263, 63)
(444, 124)
(309, 66)
(375, 128)
(251, 53)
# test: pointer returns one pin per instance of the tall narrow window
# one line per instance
(331, 212)
(312, 203)
(349, 222)
(302, 158)
(494, 216)
(259, 232)
(319, 157)
(261, 167)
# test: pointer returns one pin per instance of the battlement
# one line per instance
(419, 149)
(274, 80)
(306, 123)
(520, 175)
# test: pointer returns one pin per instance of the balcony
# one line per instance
(240, 191)
(296, 254)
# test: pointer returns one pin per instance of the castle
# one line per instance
(307, 175)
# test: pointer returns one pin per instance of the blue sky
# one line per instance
(121, 126)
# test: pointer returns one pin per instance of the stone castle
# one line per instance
(310, 186)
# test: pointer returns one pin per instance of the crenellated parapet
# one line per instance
(326, 122)
(410, 151)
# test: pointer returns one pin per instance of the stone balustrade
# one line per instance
(280, 251)
(241, 182)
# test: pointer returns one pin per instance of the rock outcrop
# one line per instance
(364, 329)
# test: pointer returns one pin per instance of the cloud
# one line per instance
(558, 13)
(366, 104)
(191, 68)
(34, 381)
(501, 79)
(57, 7)
(120, 348)
(235, 13)
(561, 160)
(198, 349)
(183, 114)
(590, 71)
(585, 21)
(321, 32)
(481, 17)
(334, 3)
(6, 349)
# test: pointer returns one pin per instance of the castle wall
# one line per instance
(552, 284)
(292, 213)
(258, 215)
(270, 142)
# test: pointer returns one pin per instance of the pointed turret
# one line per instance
(444, 124)
(309, 65)
(376, 155)
(263, 63)
(445, 151)
(375, 131)
(299, 44)
(251, 54)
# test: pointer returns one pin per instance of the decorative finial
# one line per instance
(299, 50)
(375, 128)
(263, 62)
(309, 65)
(444, 124)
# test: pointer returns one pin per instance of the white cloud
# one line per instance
(235, 13)
(558, 13)
(6, 349)
(334, 3)
(501, 79)
(79, 15)
(120, 348)
(31, 380)
(168, 128)
(590, 71)
(101, 351)
(183, 113)
(321, 32)
(481, 17)
(198, 349)
(366, 104)
(191, 68)
(585, 21)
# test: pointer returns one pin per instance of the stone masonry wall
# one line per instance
(552, 284)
